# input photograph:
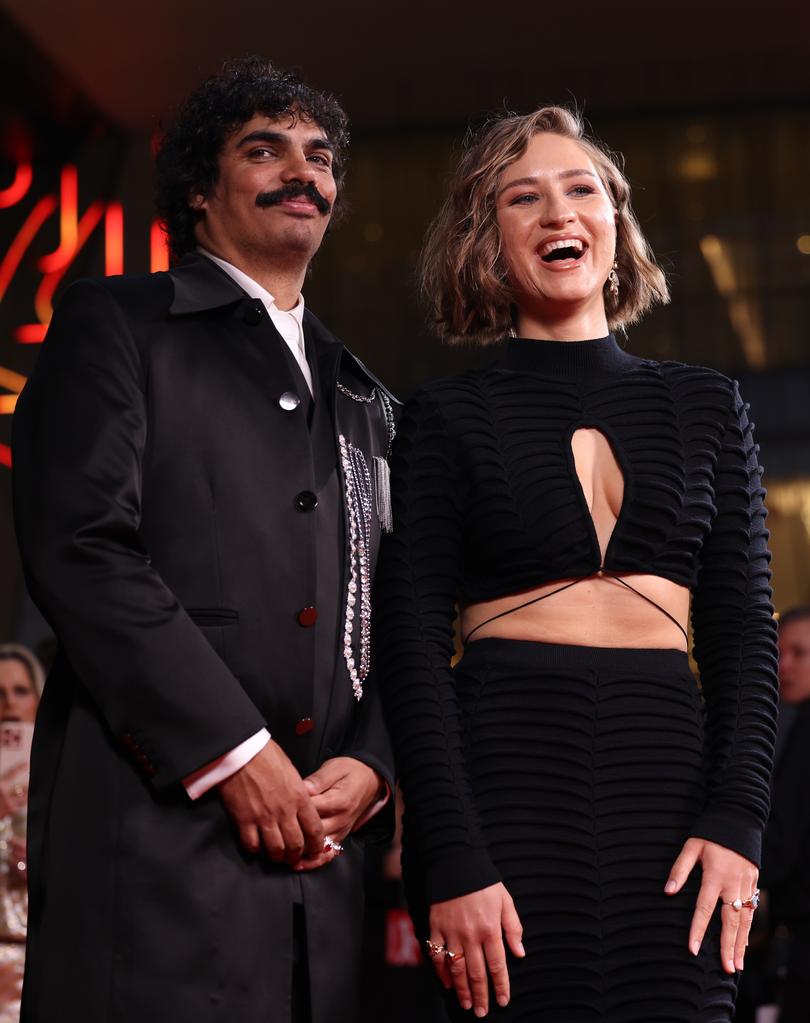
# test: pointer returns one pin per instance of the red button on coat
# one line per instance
(304, 726)
(307, 616)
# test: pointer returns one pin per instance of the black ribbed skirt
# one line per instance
(588, 770)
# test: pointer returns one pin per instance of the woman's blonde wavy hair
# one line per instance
(462, 274)
(17, 652)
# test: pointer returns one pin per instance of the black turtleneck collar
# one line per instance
(567, 358)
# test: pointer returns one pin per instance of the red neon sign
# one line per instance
(75, 230)
(18, 188)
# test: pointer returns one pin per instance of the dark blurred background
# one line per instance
(708, 102)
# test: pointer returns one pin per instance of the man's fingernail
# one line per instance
(694, 948)
(466, 1005)
(480, 1011)
(502, 1000)
(671, 886)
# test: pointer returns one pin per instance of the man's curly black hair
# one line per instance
(187, 157)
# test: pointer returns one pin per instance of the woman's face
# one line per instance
(18, 698)
(558, 228)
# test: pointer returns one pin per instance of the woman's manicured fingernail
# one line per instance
(694, 948)
(521, 949)
(480, 1011)
(671, 886)
(502, 1000)
(466, 1005)
(730, 965)
(740, 965)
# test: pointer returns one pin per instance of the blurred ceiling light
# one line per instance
(697, 165)
(803, 244)
(741, 311)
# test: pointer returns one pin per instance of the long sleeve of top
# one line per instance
(735, 645)
(422, 565)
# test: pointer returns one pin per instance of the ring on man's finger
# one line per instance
(435, 950)
(453, 957)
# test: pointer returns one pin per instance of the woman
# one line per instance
(560, 788)
(21, 681)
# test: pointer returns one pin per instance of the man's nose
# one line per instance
(297, 168)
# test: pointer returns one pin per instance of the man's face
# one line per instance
(794, 661)
(274, 195)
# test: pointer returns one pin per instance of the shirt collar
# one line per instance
(253, 288)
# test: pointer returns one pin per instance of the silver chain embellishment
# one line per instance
(389, 421)
(357, 397)
(382, 474)
(358, 506)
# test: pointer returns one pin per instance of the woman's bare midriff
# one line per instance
(598, 611)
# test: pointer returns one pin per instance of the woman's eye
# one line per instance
(582, 190)
(523, 200)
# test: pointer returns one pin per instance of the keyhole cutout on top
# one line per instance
(602, 482)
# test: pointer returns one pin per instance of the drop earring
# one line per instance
(613, 281)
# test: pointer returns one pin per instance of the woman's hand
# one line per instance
(474, 925)
(727, 876)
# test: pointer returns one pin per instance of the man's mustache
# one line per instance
(293, 191)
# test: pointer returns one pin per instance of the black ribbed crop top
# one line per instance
(487, 503)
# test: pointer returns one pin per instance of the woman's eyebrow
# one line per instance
(577, 172)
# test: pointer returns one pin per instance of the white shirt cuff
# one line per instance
(374, 808)
(200, 781)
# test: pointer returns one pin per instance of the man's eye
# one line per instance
(261, 151)
(320, 158)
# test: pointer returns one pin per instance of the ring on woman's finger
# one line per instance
(330, 843)
(750, 903)
(453, 957)
(435, 950)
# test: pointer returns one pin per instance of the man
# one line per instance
(786, 849)
(200, 481)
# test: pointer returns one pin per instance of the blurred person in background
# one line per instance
(201, 541)
(21, 681)
(786, 849)
(561, 797)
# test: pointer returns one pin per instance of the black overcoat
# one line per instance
(157, 478)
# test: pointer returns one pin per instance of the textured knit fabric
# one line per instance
(586, 766)
(487, 503)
